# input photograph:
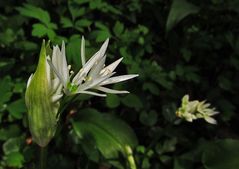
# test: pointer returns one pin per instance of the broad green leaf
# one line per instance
(34, 12)
(178, 11)
(221, 154)
(110, 134)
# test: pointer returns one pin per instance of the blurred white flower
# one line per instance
(93, 74)
(192, 110)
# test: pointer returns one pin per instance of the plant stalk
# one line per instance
(43, 157)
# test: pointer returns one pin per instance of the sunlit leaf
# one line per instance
(110, 134)
(178, 11)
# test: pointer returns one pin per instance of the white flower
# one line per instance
(92, 75)
(192, 110)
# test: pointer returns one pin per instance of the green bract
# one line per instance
(42, 100)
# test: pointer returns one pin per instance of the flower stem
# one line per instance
(43, 154)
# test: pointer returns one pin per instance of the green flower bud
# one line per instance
(42, 100)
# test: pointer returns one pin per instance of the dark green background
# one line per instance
(177, 47)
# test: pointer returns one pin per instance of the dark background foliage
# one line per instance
(177, 47)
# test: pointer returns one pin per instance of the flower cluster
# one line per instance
(192, 110)
(93, 75)
(53, 78)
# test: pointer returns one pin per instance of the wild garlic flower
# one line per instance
(43, 93)
(93, 75)
(192, 110)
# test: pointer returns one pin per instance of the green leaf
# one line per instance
(148, 119)
(5, 86)
(34, 12)
(80, 24)
(83, 23)
(179, 10)
(102, 35)
(112, 101)
(12, 145)
(8, 36)
(110, 134)
(76, 9)
(131, 100)
(17, 108)
(40, 30)
(221, 154)
(73, 50)
(9, 131)
(66, 22)
(14, 159)
(151, 87)
(118, 28)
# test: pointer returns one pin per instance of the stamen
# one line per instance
(71, 73)
(89, 78)
(69, 67)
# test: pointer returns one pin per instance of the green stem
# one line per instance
(43, 154)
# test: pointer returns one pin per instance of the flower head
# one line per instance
(192, 110)
(42, 100)
(93, 74)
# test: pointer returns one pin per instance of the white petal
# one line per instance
(55, 85)
(92, 93)
(117, 79)
(210, 120)
(96, 57)
(111, 67)
(212, 113)
(83, 51)
(59, 62)
(80, 75)
(56, 98)
(56, 72)
(64, 68)
(54, 56)
(29, 80)
(90, 84)
(48, 73)
(94, 72)
(104, 47)
(107, 90)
